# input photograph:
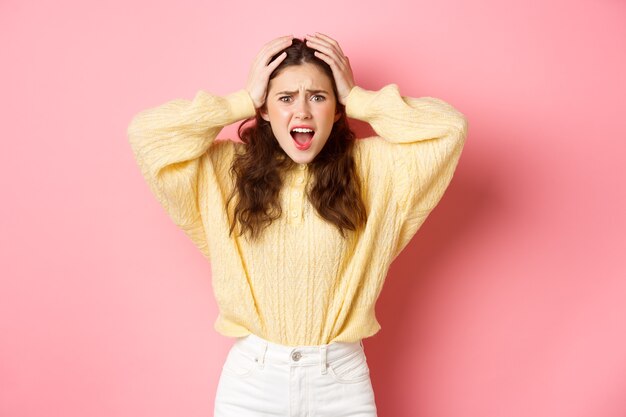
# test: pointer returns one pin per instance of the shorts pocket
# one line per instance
(350, 368)
(239, 363)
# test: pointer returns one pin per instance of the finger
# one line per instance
(326, 47)
(330, 40)
(330, 61)
(271, 57)
(324, 58)
(322, 45)
(278, 40)
(276, 43)
(271, 48)
(280, 58)
(322, 42)
(275, 46)
(327, 50)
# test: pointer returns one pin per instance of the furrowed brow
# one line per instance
(308, 91)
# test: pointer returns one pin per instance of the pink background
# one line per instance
(509, 302)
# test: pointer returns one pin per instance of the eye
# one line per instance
(321, 98)
(281, 98)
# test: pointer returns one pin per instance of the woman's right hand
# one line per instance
(260, 71)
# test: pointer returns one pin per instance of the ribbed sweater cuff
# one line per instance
(358, 102)
(241, 105)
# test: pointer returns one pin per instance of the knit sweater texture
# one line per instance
(301, 283)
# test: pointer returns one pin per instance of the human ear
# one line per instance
(264, 114)
(337, 116)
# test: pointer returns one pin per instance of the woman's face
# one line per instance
(301, 96)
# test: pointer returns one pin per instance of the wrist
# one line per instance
(241, 104)
(344, 99)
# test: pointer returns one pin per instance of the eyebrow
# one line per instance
(308, 91)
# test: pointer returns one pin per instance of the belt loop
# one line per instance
(323, 359)
(261, 358)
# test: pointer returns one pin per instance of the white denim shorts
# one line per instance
(262, 378)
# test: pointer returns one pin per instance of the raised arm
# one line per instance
(422, 140)
(174, 144)
(169, 142)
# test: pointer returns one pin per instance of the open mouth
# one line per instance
(302, 137)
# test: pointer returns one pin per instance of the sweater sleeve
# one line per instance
(411, 167)
(169, 142)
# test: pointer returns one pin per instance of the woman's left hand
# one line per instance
(328, 50)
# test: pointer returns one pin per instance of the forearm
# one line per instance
(405, 119)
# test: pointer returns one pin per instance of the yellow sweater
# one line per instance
(300, 283)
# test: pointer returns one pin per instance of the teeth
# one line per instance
(302, 130)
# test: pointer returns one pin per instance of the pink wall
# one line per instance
(509, 302)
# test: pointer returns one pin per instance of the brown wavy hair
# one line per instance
(257, 172)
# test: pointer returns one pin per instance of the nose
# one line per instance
(302, 109)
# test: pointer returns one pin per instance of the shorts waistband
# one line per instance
(263, 351)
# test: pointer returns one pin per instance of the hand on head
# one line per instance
(326, 49)
(329, 51)
(260, 72)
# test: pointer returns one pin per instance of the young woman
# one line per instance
(299, 220)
